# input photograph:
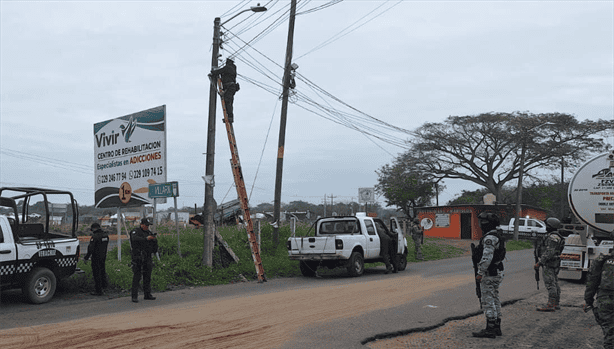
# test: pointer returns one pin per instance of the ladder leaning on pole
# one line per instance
(241, 192)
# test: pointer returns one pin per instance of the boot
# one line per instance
(498, 327)
(135, 299)
(488, 332)
(556, 303)
(548, 307)
(149, 297)
(388, 269)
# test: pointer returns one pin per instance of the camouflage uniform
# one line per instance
(600, 281)
(417, 234)
(490, 280)
(549, 253)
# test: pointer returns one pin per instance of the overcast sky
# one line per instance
(68, 65)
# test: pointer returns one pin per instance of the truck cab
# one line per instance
(528, 228)
(35, 251)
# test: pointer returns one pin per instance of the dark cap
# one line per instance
(145, 221)
(95, 226)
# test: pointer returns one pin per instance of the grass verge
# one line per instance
(173, 272)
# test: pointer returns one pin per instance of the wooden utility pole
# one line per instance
(282, 124)
(208, 208)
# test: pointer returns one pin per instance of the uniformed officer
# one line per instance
(417, 234)
(97, 250)
(548, 252)
(600, 281)
(490, 273)
(143, 243)
(228, 75)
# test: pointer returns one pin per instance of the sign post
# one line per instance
(166, 190)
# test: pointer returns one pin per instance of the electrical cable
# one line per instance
(263, 148)
(321, 7)
(341, 34)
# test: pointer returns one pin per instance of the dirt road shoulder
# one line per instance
(522, 327)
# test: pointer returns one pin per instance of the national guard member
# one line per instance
(600, 281)
(548, 252)
(143, 243)
(417, 234)
(97, 249)
(490, 252)
(228, 74)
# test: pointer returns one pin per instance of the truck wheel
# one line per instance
(308, 269)
(356, 264)
(40, 286)
(402, 261)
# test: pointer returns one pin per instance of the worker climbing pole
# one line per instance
(240, 185)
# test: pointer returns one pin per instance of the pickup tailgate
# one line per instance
(312, 245)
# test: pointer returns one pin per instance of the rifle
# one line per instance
(535, 255)
(478, 290)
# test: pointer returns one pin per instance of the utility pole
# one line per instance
(208, 209)
(324, 205)
(282, 124)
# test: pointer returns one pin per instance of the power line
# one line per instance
(347, 30)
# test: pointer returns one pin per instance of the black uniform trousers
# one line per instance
(100, 273)
(229, 97)
(141, 267)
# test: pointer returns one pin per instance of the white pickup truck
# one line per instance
(34, 257)
(528, 228)
(346, 241)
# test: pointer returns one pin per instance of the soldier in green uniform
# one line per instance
(600, 281)
(489, 256)
(417, 234)
(548, 252)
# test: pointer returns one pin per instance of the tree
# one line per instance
(543, 194)
(405, 184)
(487, 149)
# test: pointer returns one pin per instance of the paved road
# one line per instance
(330, 312)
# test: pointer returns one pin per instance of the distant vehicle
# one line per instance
(33, 255)
(346, 241)
(528, 228)
(591, 198)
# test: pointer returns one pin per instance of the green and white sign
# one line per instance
(164, 190)
(129, 155)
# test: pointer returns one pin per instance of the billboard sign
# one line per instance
(129, 155)
(366, 195)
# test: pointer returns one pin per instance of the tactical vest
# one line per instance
(607, 274)
(498, 256)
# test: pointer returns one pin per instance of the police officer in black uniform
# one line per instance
(228, 74)
(143, 243)
(97, 250)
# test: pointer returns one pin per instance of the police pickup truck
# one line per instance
(33, 254)
(528, 228)
(346, 241)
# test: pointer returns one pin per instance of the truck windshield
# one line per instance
(347, 226)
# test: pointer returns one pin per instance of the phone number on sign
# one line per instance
(145, 172)
(107, 178)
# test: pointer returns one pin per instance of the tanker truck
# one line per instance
(591, 199)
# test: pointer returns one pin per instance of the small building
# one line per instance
(461, 221)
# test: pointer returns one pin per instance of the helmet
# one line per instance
(488, 221)
(552, 224)
(417, 220)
